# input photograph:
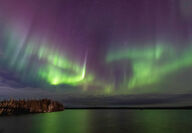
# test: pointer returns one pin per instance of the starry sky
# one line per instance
(138, 50)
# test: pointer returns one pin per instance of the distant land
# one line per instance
(135, 108)
(17, 107)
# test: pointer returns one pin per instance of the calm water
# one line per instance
(101, 121)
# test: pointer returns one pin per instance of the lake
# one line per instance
(100, 121)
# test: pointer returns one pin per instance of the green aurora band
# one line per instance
(152, 63)
(37, 59)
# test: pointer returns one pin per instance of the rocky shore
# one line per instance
(16, 107)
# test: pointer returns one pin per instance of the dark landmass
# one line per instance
(135, 108)
(17, 107)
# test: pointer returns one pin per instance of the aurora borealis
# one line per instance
(51, 65)
(151, 64)
(98, 46)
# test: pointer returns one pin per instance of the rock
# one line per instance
(15, 107)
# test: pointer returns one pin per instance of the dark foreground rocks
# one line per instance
(17, 107)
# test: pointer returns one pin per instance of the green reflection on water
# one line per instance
(160, 121)
(69, 121)
(107, 121)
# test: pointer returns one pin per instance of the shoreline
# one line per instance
(130, 108)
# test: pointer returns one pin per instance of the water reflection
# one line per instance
(100, 121)
(143, 121)
(70, 121)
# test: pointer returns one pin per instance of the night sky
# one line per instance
(130, 52)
